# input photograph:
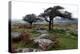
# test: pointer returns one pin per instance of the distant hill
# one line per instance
(65, 21)
(56, 21)
(19, 21)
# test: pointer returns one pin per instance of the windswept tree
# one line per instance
(51, 12)
(30, 18)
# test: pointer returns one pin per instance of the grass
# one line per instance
(24, 45)
(67, 43)
(67, 38)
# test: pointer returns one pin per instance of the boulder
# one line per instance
(43, 36)
(22, 50)
(43, 43)
(15, 36)
(41, 31)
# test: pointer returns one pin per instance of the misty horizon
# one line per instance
(20, 9)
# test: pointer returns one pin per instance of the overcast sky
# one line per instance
(20, 9)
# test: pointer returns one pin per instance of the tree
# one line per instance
(30, 18)
(52, 12)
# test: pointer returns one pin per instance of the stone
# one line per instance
(27, 50)
(23, 36)
(41, 31)
(43, 43)
(15, 34)
(43, 36)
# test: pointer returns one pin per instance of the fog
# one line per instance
(20, 9)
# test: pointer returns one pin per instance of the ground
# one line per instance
(67, 36)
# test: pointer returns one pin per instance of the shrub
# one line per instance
(74, 34)
(25, 37)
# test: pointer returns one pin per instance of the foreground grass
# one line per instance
(67, 40)
(67, 37)
(67, 43)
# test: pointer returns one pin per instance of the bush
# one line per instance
(74, 34)
(18, 39)
(25, 37)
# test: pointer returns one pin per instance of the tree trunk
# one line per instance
(49, 25)
(31, 25)
(52, 24)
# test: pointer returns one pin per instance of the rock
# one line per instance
(16, 37)
(76, 31)
(43, 43)
(15, 34)
(27, 50)
(43, 36)
(41, 31)
(42, 28)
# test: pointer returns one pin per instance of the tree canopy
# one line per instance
(52, 12)
(30, 18)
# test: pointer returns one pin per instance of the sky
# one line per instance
(20, 9)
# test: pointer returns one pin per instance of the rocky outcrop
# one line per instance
(22, 50)
(17, 36)
(43, 43)
(43, 36)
